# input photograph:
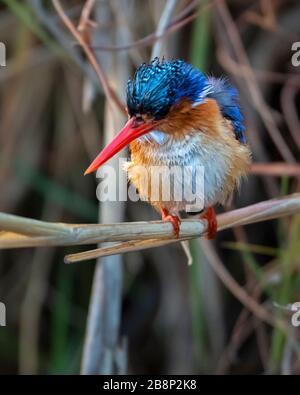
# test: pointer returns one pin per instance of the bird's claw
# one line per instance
(174, 219)
(210, 216)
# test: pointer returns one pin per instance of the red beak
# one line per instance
(130, 132)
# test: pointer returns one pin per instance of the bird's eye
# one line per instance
(139, 118)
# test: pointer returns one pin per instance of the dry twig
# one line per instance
(109, 92)
(278, 169)
(21, 232)
(250, 80)
(177, 24)
(162, 26)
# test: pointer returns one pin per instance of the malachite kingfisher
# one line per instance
(178, 116)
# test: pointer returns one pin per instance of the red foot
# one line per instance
(210, 216)
(174, 219)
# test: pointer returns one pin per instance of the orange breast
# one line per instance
(197, 136)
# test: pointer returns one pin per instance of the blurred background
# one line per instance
(54, 119)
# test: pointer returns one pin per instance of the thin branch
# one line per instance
(84, 22)
(249, 302)
(250, 80)
(153, 37)
(28, 226)
(289, 107)
(162, 26)
(26, 231)
(108, 91)
(240, 70)
(251, 214)
(278, 169)
(102, 343)
(120, 248)
(239, 292)
(51, 24)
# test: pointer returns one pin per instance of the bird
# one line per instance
(179, 116)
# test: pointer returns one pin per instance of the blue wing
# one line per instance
(226, 96)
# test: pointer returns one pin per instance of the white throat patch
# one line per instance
(155, 136)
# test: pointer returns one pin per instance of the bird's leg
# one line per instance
(210, 216)
(174, 219)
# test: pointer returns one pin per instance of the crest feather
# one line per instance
(157, 86)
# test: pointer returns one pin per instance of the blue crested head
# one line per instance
(157, 86)
(161, 84)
